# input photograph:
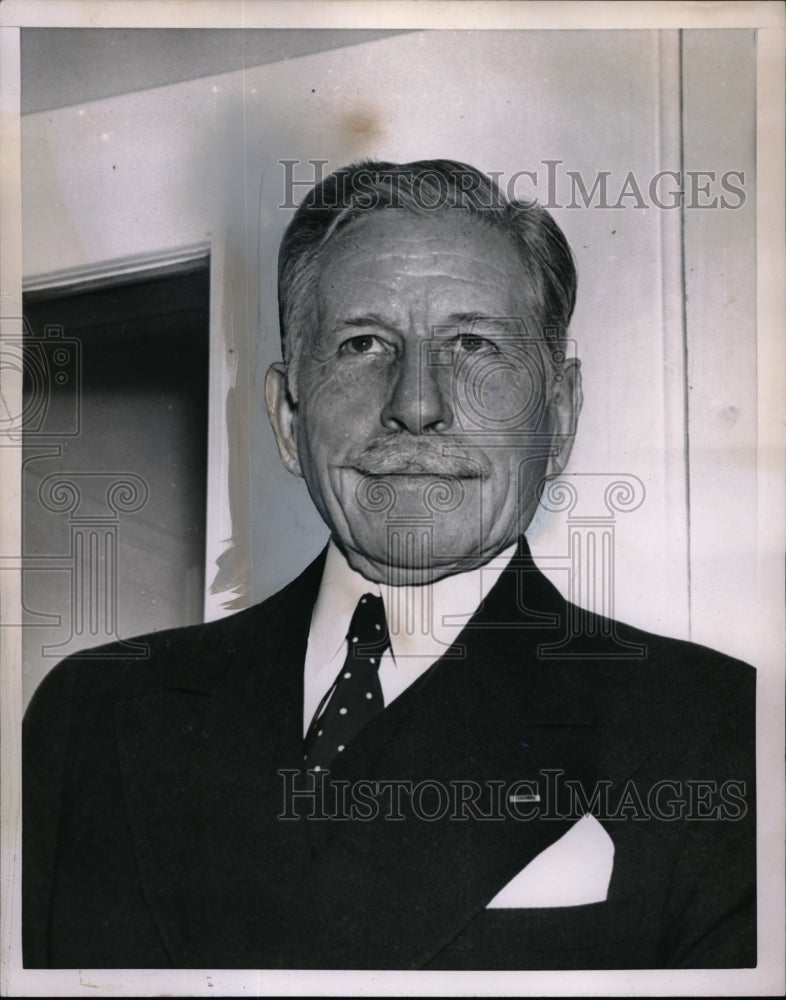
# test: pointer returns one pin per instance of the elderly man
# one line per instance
(399, 761)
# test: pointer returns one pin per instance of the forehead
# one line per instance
(397, 260)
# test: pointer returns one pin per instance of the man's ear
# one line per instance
(564, 407)
(282, 411)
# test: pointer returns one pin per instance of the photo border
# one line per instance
(768, 977)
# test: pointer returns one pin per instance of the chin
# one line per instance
(406, 574)
(412, 553)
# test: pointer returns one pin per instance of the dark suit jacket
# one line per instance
(153, 797)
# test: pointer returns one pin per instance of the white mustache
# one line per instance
(415, 456)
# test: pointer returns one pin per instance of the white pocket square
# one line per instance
(574, 870)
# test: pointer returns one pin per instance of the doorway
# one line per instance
(114, 462)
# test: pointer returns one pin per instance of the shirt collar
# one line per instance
(423, 621)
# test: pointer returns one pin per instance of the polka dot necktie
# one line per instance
(356, 694)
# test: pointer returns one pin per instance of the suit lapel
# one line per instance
(199, 763)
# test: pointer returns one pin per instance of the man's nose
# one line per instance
(419, 401)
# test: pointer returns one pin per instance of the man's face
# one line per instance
(423, 408)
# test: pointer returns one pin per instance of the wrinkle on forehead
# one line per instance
(395, 281)
(433, 258)
(384, 254)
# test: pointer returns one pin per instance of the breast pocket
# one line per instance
(607, 935)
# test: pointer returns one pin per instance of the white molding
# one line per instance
(719, 132)
(674, 380)
(119, 269)
(222, 378)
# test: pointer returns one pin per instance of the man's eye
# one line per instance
(364, 343)
(471, 342)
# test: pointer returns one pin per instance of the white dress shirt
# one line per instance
(423, 622)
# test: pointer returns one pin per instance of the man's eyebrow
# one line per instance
(467, 319)
(456, 319)
(366, 319)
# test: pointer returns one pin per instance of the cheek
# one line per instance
(496, 395)
(517, 473)
(340, 408)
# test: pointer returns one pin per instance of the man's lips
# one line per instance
(416, 457)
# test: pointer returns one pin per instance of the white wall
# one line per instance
(172, 166)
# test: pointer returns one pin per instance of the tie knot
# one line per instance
(368, 632)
